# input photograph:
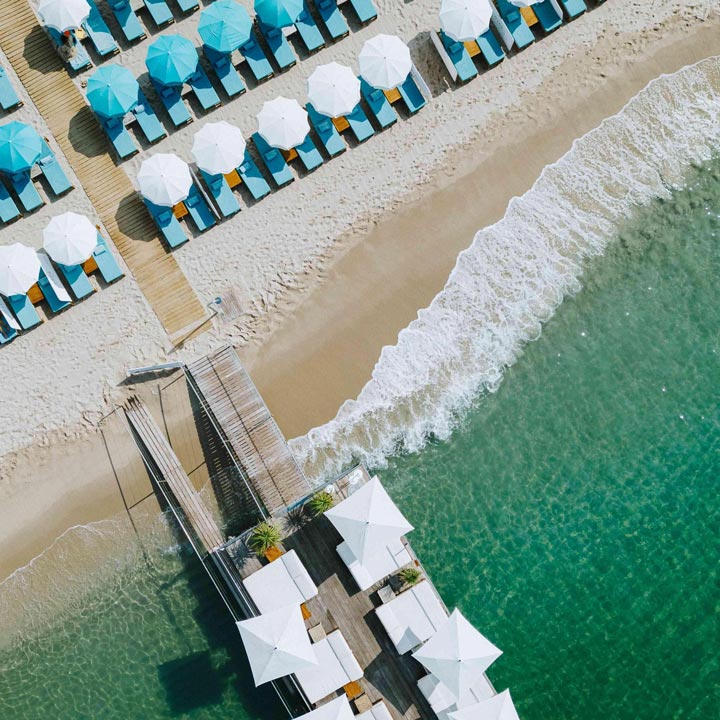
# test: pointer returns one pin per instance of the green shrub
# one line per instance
(410, 575)
(263, 537)
(320, 502)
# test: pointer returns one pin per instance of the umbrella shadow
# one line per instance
(86, 136)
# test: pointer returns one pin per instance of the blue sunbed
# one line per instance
(171, 98)
(106, 262)
(360, 126)
(159, 12)
(547, 16)
(222, 193)
(490, 48)
(147, 119)
(309, 32)
(274, 161)
(365, 10)
(128, 20)
(459, 57)
(8, 96)
(80, 60)
(26, 191)
(309, 155)
(167, 223)
(7, 333)
(379, 105)
(252, 178)
(226, 72)
(55, 303)
(199, 210)
(54, 174)
(77, 280)
(574, 8)
(326, 132)
(203, 89)
(8, 209)
(256, 59)
(410, 93)
(119, 136)
(99, 33)
(24, 311)
(333, 19)
(278, 45)
(515, 23)
(188, 6)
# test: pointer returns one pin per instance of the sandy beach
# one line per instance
(330, 269)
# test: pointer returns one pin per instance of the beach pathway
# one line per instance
(85, 146)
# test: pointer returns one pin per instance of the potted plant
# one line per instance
(320, 502)
(263, 537)
(410, 576)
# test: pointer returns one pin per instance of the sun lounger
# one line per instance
(360, 126)
(332, 18)
(188, 6)
(284, 581)
(377, 567)
(256, 59)
(54, 174)
(364, 9)
(203, 89)
(119, 136)
(458, 55)
(159, 12)
(278, 45)
(309, 155)
(326, 131)
(52, 288)
(8, 324)
(26, 191)
(106, 262)
(274, 161)
(252, 178)
(171, 98)
(99, 33)
(378, 711)
(547, 16)
(221, 193)
(309, 32)
(411, 95)
(522, 34)
(8, 96)
(148, 120)
(24, 311)
(574, 8)
(77, 280)
(443, 702)
(199, 210)
(378, 104)
(167, 223)
(8, 209)
(128, 20)
(225, 71)
(80, 60)
(490, 48)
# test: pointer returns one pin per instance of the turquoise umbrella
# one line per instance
(278, 13)
(225, 26)
(171, 60)
(112, 91)
(20, 147)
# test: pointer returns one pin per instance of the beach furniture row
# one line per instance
(9, 99)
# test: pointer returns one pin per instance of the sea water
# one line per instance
(572, 513)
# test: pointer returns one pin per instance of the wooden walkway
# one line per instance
(250, 429)
(165, 465)
(86, 148)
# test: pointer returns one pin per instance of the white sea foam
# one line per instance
(516, 273)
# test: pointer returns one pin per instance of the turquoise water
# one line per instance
(573, 517)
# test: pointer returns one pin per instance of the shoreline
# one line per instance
(325, 350)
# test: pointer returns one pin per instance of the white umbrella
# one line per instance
(457, 654)
(63, 15)
(164, 179)
(385, 61)
(19, 269)
(283, 123)
(70, 238)
(464, 20)
(334, 90)
(218, 148)
(498, 707)
(523, 3)
(337, 709)
(368, 520)
(277, 644)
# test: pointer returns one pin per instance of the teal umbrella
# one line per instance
(20, 147)
(171, 60)
(112, 91)
(225, 26)
(278, 13)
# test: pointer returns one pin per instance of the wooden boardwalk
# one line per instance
(250, 429)
(86, 148)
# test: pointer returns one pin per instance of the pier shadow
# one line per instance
(190, 682)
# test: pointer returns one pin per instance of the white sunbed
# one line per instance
(336, 667)
(412, 617)
(443, 702)
(52, 276)
(378, 711)
(376, 568)
(284, 581)
(337, 709)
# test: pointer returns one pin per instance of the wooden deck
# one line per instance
(250, 429)
(86, 148)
